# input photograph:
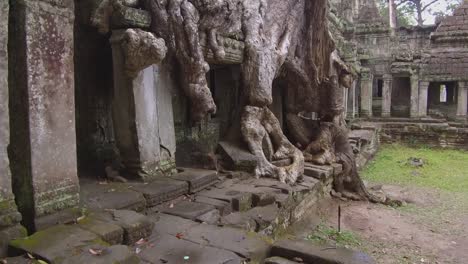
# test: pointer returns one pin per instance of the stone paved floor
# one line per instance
(197, 217)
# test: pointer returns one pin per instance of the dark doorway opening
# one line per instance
(401, 97)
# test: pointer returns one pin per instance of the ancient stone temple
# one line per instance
(411, 75)
(121, 117)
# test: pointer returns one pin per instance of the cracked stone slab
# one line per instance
(245, 244)
(161, 190)
(188, 210)
(264, 182)
(197, 179)
(312, 253)
(134, 225)
(169, 249)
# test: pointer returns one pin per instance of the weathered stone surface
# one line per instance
(212, 217)
(169, 249)
(279, 260)
(240, 201)
(237, 159)
(128, 17)
(114, 254)
(170, 224)
(232, 239)
(311, 253)
(57, 243)
(66, 216)
(161, 190)
(111, 196)
(196, 178)
(224, 207)
(136, 226)
(188, 210)
(43, 148)
(8, 213)
(110, 233)
(10, 233)
(255, 219)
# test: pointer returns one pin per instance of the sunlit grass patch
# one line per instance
(443, 169)
(327, 235)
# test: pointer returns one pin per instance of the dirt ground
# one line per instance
(431, 228)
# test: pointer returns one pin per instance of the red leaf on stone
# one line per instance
(179, 235)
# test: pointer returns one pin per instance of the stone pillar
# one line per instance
(414, 105)
(43, 144)
(387, 95)
(9, 216)
(135, 113)
(367, 80)
(423, 96)
(462, 99)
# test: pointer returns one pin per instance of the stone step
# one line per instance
(161, 190)
(168, 249)
(197, 179)
(223, 207)
(240, 201)
(110, 233)
(135, 226)
(256, 219)
(188, 210)
(312, 253)
(113, 254)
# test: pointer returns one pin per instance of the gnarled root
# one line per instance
(260, 122)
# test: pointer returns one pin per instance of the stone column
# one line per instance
(423, 96)
(366, 92)
(9, 216)
(135, 109)
(387, 95)
(43, 142)
(414, 105)
(462, 99)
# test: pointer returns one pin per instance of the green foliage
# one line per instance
(443, 169)
(326, 235)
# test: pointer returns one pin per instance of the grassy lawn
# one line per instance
(443, 169)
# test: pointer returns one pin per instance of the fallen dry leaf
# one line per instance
(137, 250)
(30, 256)
(171, 205)
(141, 241)
(179, 235)
(95, 252)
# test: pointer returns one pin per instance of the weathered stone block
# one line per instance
(161, 190)
(43, 148)
(110, 233)
(188, 210)
(196, 178)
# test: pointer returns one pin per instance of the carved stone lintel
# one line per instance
(140, 49)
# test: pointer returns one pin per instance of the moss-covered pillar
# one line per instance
(387, 95)
(367, 81)
(43, 138)
(414, 101)
(462, 103)
(9, 216)
(423, 96)
(135, 113)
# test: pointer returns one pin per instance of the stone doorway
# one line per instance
(401, 96)
(377, 96)
(442, 99)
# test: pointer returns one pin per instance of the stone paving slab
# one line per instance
(134, 225)
(265, 182)
(110, 196)
(114, 254)
(212, 217)
(224, 207)
(197, 179)
(261, 196)
(169, 249)
(169, 224)
(245, 244)
(312, 253)
(56, 243)
(161, 190)
(188, 210)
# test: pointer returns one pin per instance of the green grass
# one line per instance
(326, 235)
(443, 169)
